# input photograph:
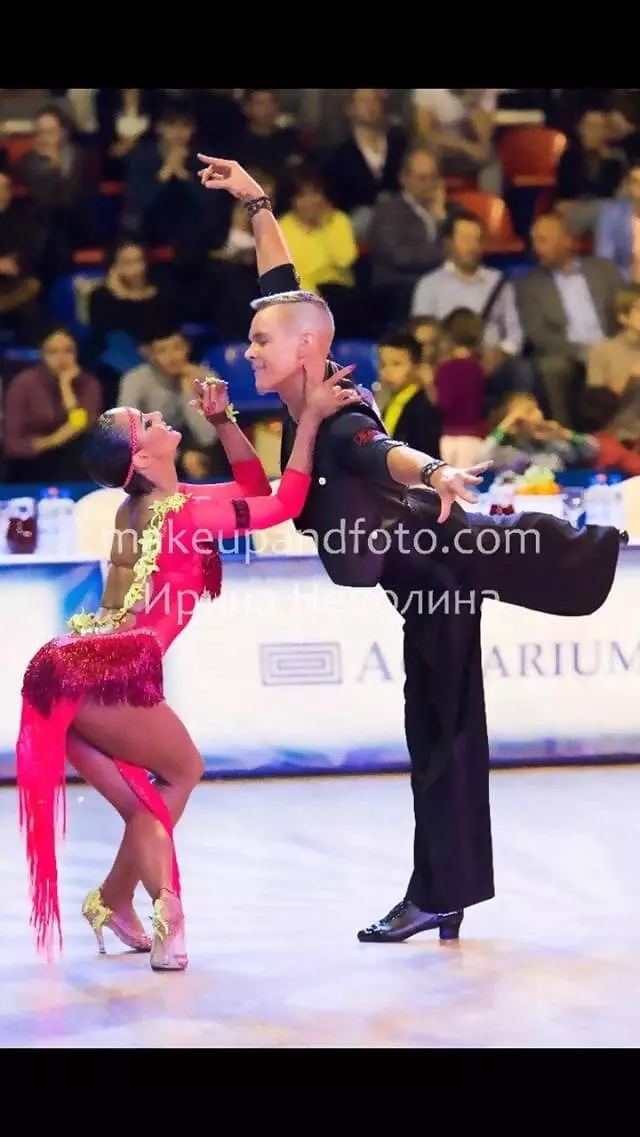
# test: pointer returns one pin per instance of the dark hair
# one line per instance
(402, 341)
(107, 457)
(464, 328)
(596, 408)
(449, 227)
(162, 329)
(249, 91)
(176, 112)
(53, 329)
(112, 249)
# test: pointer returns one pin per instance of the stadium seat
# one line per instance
(363, 353)
(65, 303)
(229, 363)
(529, 155)
(493, 212)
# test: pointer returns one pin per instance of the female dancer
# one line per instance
(97, 694)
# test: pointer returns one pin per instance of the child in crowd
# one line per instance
(409, 413)
(523, 437)
(460, 384)
(613, 362)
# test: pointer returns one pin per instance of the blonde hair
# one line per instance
(295, 297)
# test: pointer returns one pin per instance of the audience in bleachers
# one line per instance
(566, 304)
(384, 198)
(47, 410)
(408, 232)
(164, 382)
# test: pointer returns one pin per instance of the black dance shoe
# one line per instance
(406, 920)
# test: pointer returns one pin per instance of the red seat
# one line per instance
(493, 212)
(15, 146)
(529, 155)
(162, 254)
(88, 257)
(459, 185)
(111, 189)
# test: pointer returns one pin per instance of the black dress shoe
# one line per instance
(406, 920)
(624, 536)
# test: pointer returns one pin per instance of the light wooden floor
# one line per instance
(279, 875)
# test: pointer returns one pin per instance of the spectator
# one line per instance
(426, 330)
(163, 200)
(458, 124)
(588, 174)
(165, 383)
(324, 251)
(618, 229)
(124, 117)
(409, 413)
(465, 282)
(263, 143)
(460, 385)
(368, 162)
(566, 304)
(21, 246)
(613, 362)
(54, 174)
(522, 437)
(128, 301)
(47, 410)
(407, 233)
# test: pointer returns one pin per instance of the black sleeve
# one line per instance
(361, 447)
(284, 278)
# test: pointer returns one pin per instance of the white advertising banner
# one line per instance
(287, 672)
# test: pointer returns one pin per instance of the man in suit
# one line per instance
(618, 228)
(566, 304)
(407, 235)
(428, 555)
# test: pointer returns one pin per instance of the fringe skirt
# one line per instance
(115, 669)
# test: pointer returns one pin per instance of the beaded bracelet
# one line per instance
(256, 204)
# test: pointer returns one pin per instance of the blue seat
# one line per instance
(228, 361)
(24, 355)
(364, 353)
(63, 302)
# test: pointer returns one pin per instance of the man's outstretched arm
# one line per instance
(272, 251)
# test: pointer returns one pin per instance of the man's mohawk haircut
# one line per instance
(293, 297)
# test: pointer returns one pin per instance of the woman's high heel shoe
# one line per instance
(99, 916)
(168, 952)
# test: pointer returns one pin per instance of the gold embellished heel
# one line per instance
(168, 952)
(100, 916)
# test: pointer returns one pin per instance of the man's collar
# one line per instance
(481, 272)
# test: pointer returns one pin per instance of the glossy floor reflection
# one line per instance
(278, 877)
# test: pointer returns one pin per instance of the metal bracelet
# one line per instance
(429, 470)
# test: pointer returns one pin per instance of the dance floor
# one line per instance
(278, 877)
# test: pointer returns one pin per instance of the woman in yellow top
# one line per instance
(324, 250)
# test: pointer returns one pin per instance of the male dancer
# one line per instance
(436, 563)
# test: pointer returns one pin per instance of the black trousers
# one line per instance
(567, 573)
(452, 848)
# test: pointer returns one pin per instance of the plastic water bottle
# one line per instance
(67, 524)
(598, 501)
(617, 512)
(49, 522)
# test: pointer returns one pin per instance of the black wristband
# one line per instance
(429, 470)
(257, 203)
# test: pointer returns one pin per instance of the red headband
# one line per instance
(134, 442)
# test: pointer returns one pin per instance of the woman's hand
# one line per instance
(212, 397)
(329, 397)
